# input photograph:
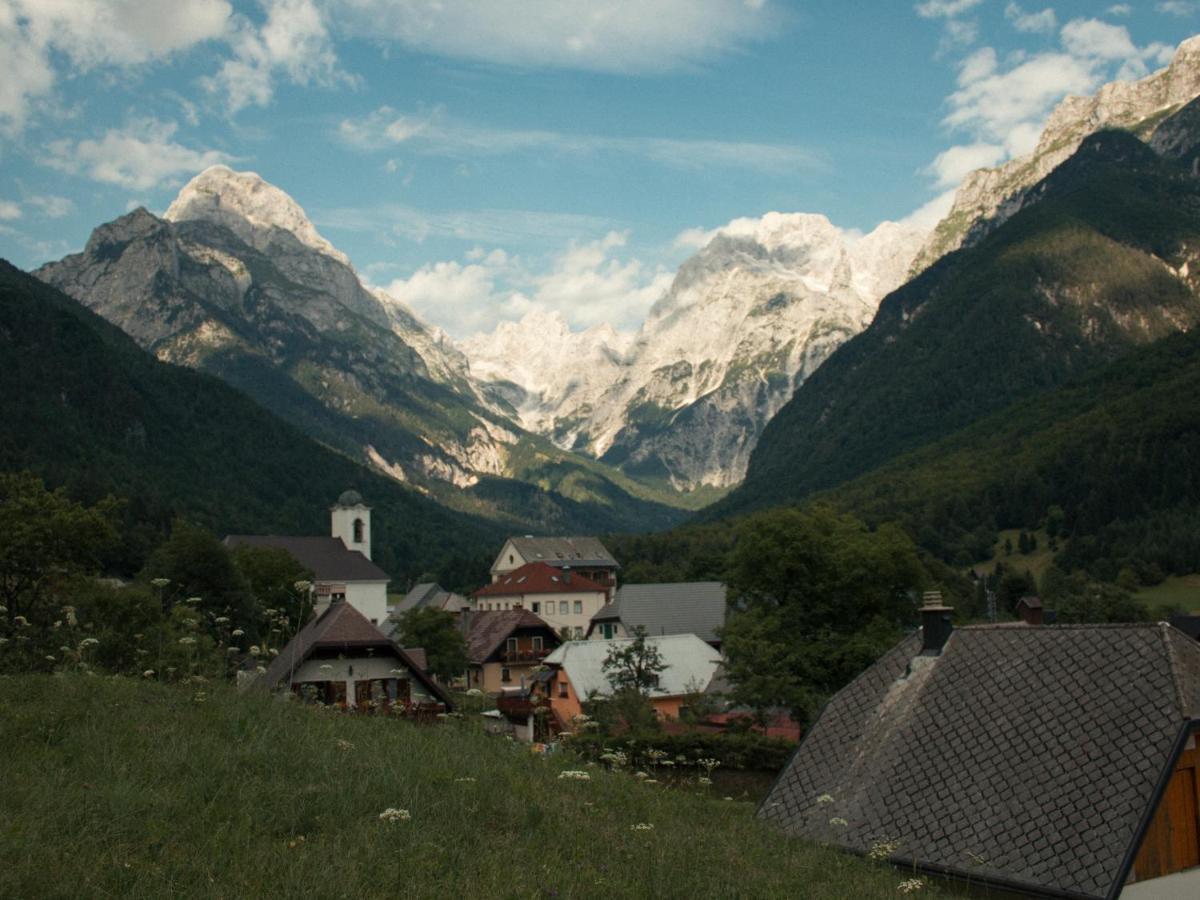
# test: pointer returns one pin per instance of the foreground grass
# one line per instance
(119, 788)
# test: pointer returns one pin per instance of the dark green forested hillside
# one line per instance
(1083, 276)
(1113, 458)
(84, 407)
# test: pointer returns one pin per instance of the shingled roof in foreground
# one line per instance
(1028, 757)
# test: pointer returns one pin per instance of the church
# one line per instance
(341, 563)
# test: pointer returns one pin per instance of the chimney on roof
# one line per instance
(566, 570)
(935, 624)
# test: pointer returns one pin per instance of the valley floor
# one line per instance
(114, 787)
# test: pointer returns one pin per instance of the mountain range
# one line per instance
(787, 352)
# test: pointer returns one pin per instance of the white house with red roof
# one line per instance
(561, 597)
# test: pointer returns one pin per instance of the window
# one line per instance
(579, 607)
(505, 675)
(537, 607)
(358, 531)
(562, 689)
(609, 630)
(537, 642)
(578, 632)
(510, 559)
(510, 646)
(562, 607)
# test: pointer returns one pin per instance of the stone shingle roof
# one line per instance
(696, 607)
(564, 551)
(326, 557)
(343, 628)
(429, 594)
(1025, 756)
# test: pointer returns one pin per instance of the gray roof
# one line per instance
(695, 607)
(430, 594)
(326, 557)
(690, 664)
(564, 551)
(1023, 756)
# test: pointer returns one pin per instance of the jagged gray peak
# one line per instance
(745, 320)
(988, 197)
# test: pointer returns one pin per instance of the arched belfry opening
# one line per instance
(359, 529)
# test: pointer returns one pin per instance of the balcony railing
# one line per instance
(513, 657)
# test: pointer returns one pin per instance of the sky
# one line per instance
(485, 159)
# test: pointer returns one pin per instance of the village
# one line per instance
(915, 745)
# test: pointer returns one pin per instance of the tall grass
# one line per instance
(115, 788)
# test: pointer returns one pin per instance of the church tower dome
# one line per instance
(350, 520)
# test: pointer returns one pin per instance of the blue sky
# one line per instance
(487, 158)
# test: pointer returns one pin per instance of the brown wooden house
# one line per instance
(1051, 761)
(504, 647)
(341, 659)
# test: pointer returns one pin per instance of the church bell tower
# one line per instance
(351, 521)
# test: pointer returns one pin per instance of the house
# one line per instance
(561, 597)
(1060, 762)
(1030, 610)
(504, 647)
(586, 556)
(341, 564)
(339, 658)
(687, 608)
(579, 673)
(430, 595)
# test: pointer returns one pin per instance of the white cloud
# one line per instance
(51, 206)
(139, 157)
(436, 133)
(589, 282)
(599, 35)
(1043, 22)
(1094, 39)
(1179, 8)
(40, 37)
(1120, 9)
(951, 166)
(293, 41)
(9, 210)
(929, 214)
(945, 9)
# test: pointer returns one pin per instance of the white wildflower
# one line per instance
(825, 798)
(50, 658)
(911, 886)
(255, 650)
(392, 815)
(574, 775)
(344, 745)
(839, 821)
(187, 640)
(467, 780)
(221, 620)
(882, 850)
(703, 780)
(20, 621)
(642, 826)
(160, 582)
(149, 673)
(237, 632)
(192, 600)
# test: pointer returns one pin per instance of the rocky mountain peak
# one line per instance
(248, 206)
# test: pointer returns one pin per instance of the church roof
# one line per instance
(326, 557)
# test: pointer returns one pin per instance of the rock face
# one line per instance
(236, 280)
(988, 197)
(745, 321)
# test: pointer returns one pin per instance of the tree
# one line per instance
(45, 538)
(815, 597)
(633, 666)
(276, 581)
(436, 632)
(196, 564)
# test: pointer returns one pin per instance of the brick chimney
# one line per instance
(935, 624)
(566, 570)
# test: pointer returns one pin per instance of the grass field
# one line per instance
(1179, 591)
(1036, 562)
(116, 788)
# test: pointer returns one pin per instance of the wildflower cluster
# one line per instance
(391, 815)
(882, 850)
(574, 775)
(642, 826)
(911, 886)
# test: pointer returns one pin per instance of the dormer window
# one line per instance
(358, 531)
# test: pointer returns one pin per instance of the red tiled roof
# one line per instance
(538, 578)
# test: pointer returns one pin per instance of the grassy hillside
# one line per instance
(83, 406)
(1070, 283)
(121, 788)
